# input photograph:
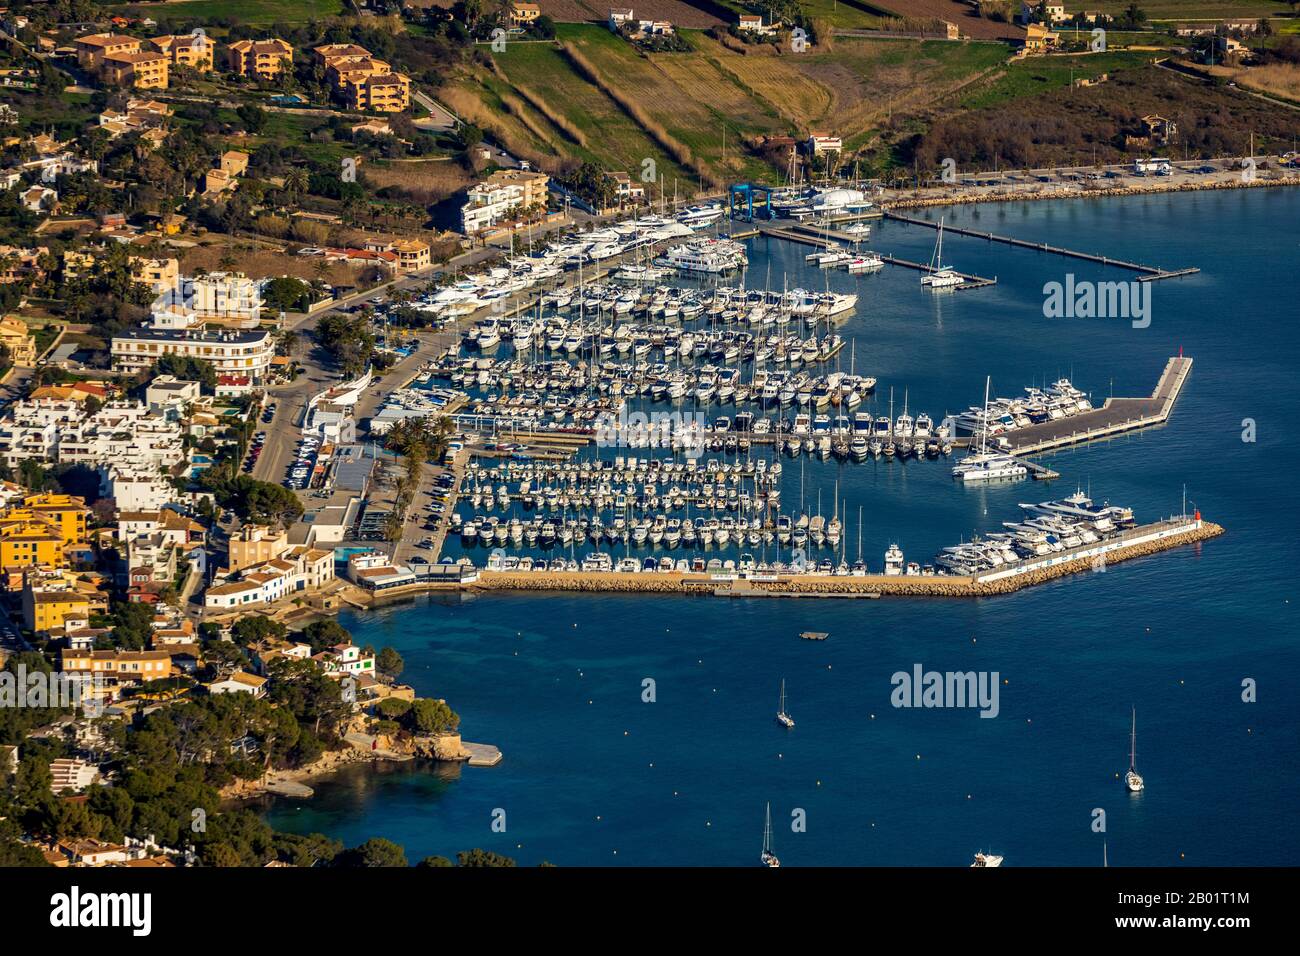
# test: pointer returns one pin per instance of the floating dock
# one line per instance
(1116, 416)
(1148, 273)
(972, 281)
(820, 238)
(482, 755)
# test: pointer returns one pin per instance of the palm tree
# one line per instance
(296, 182)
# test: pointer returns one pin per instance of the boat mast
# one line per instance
(1132, 751)
(984, 432)
(859, 533)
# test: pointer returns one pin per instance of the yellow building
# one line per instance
(188, 50)
(25, 542)
(17, 338)
(92, 49)
(133, 666)
(146, 70)
(413, 255)
(523, 14)
(1040, 39)
(47, 610)
(381, 93)
(68, 514)
(366, 82)
(255, 544)
(260, 59)
(159, 274)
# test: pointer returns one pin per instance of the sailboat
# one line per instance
(768, 857)
(782, 718)
(1133, 779)
(940, 276)
(985, 465)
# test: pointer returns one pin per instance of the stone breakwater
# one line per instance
(895, 585)
(1026, 195)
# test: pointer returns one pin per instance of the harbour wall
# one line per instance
(1024, 195)
(1138, 542)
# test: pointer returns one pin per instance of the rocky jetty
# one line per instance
(894, 585)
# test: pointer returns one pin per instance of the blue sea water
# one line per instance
(593, 775)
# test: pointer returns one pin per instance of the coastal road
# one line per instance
(440, 118)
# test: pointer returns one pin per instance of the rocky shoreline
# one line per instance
(1025, 195)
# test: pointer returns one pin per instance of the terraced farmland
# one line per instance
(674, 107)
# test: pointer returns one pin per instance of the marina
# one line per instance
(589, 364)
(565, 649)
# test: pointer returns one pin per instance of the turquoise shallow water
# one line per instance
(593, 775)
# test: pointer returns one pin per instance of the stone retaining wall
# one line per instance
(907, 586)
(1018, 195)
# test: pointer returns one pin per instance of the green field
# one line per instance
(245, 11)
(1038, 75)
(686, 105)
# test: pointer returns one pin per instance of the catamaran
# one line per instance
(782, 718)
(768, 857)
(940, 276)
(1133, 779)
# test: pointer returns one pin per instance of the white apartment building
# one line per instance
(242, 357)
(500, 196)
(30, 429)
(298, 569)
(134, 490)
(230, 298)
(167, 396)
(123, 434)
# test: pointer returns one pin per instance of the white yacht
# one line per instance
(767, 857)
(988, 466)
(700, 217)
(985, 465)
(894, 560)
(940, 276)
(489, 334)
(1133, 780)
(986, 860)
(782, 718)
(867, 262)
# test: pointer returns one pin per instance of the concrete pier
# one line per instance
(1149, 273)
(482, 755)
(826, 240)
(1133, 543)
(1116, 416)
